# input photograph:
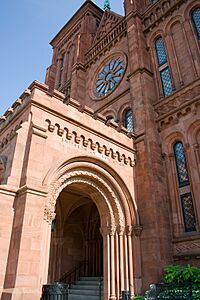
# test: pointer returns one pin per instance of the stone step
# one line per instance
(90, 278)
(84, 287)
(82, 297)
(87, 282)
(87, 288)
(83, 292)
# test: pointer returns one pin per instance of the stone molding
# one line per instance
(115, 212)
(158, 12)
(89, 143)
(179, 104)
(109, 19)
(106, 42)
(14, 110)
(9, 136)
(187, 247)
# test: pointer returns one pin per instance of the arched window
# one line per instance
(128, 120)
(181, 164)
(163, 67)
(196, 21)
(184, 188)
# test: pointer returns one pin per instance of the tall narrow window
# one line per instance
(128, 120)
(196, 21)
(184, 188)
(61, 69)
(163, 67)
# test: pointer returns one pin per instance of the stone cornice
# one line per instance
(8, 190)
(32, 190)
(33, 101)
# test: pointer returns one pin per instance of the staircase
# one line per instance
(86, 288)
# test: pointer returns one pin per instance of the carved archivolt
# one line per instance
(111, 203)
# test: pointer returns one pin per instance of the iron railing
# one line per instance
(73, 275)
(162, 291)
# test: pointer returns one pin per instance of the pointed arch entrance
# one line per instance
(103, 190)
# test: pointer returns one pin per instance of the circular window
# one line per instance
(109, 77)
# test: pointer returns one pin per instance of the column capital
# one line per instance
(120, 230)
(137, 230)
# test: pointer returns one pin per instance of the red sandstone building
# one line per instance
(100, 165)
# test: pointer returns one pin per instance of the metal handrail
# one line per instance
(73, 275)
(100, 285)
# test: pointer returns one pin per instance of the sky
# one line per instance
(26, 28)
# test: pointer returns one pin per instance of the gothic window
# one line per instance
(196, 21)
(128, 120)
(188, 212)
(184, 188)
(163, 67)
(181, 165)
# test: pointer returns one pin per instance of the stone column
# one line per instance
(112, 263)
(121, 257)
(130, 259)
(106, 262)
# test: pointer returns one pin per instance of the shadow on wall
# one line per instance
(3, 162)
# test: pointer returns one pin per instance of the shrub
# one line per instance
(138, 298)
(182, 274)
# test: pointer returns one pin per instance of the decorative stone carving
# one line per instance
(108, 22)
(137, 230)
(90, 178)
(100, 46)
(120, 230)
(158, 12)
(129, 230)
(187, 247)
(89, 143)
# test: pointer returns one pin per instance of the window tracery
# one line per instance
(109, 77)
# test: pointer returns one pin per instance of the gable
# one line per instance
(108, 22)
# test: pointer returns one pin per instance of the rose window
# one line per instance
(109, 77)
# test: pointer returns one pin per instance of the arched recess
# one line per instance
(174, 199)
(119, 219)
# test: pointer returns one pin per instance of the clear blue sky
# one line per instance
(26, 28)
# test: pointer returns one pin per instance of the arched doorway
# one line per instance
(76, 241)
(102, 189)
